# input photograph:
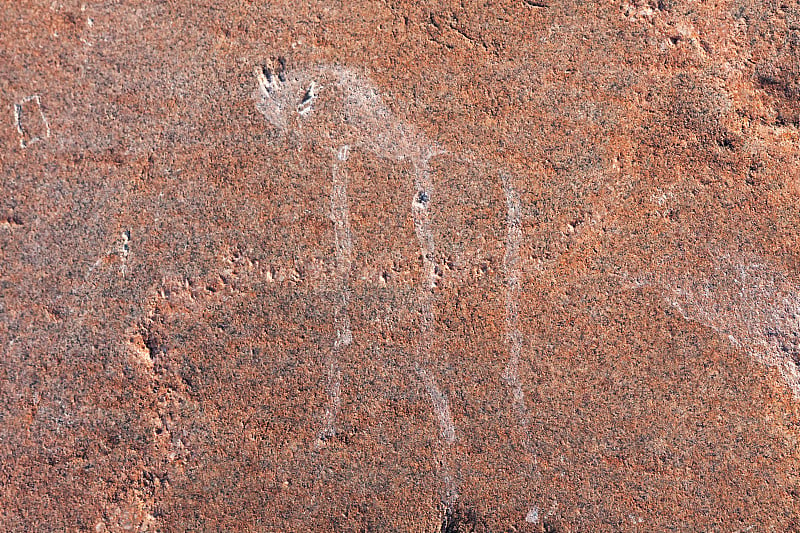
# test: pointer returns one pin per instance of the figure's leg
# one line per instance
(340, 216)
(421, 214)
(513, 272)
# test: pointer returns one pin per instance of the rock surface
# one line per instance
(399, 266)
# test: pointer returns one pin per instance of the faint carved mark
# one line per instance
(30, 121)
(117, 253)
(340, 216)
(513, 273)
(749, 301)
(459, 518)
(511, 264)
(285, 98)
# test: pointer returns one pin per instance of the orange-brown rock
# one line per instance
(399, 266)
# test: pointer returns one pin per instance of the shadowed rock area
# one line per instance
(399, 266)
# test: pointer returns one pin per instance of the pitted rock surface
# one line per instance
(404, 266)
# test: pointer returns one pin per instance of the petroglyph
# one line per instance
(749, 301)
(346, 109)
(340, 216)
(30, 121)
(513, 272)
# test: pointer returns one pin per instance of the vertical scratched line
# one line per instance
(513, 273)
(421, 213)
(420, 209)
(343, 242)
(511, 265)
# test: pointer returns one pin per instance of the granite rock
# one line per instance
(399, 266)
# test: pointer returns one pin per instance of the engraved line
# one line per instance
(343, 240)
(18, 112)
(420, 209)
(511, 264)
(421, 214)
(513, 273)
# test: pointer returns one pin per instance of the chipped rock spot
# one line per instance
(117, 253)
(635, 10)
(29, 119)
(305, 105)
(533, 516)
(11, 220)
(140, 350)
(460, 518)
(133, 517)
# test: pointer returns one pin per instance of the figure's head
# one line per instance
(282, 97)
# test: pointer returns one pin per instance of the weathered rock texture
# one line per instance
(399, 266)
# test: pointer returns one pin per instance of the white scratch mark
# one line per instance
(513, 273)
(440, 406)
(372, 127)
(635, 519)
(511, 265)
(271, 101)
(281, 95)
(305, 105)
(420, 210)
(121, 250)
(748, 301)
(343, 241)
(25, 136)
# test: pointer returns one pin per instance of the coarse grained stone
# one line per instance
(265, 266)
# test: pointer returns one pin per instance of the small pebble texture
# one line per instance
(562, 236)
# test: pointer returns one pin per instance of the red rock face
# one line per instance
(515, 266)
